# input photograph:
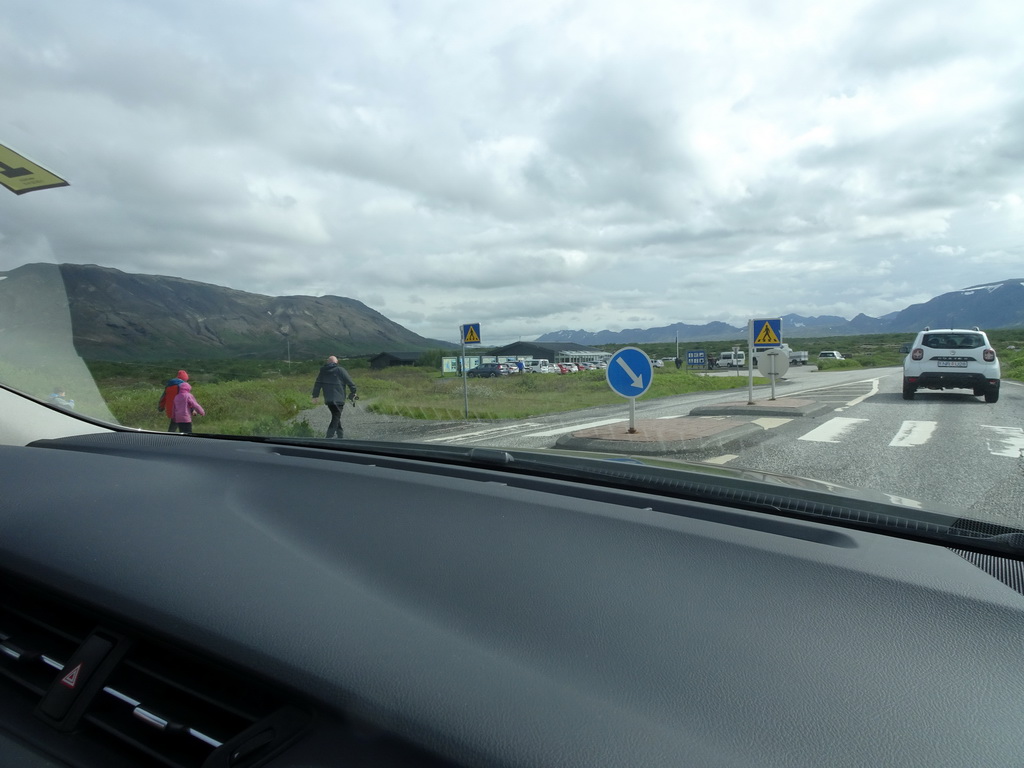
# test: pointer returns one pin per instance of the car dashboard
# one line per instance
(219, 602)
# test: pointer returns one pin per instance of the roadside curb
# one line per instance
(686, 434)
(707, 427)
(790, 407)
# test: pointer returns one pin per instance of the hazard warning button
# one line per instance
(71, 680)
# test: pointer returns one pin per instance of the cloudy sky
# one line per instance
(532, 166)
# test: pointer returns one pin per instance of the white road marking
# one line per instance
(725, 458)
(832, 430)
(770, 423)
(1008, 441)
(478, 433)
(574, 428)
(914, 433)
(865, 396)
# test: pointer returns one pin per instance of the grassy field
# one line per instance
(261, 399)
(254, 397)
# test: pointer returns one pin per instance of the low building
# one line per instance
(389, 359)
(556, 352)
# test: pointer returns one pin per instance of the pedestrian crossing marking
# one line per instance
(1008, 441)
(913, 433)
(1000, 441)
(832, 430)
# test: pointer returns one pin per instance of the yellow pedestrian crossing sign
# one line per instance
(769, 332)
(20, 175)
(470, 333)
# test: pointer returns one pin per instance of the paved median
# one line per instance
(705, 427)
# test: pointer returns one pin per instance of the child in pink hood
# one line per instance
(184, 406)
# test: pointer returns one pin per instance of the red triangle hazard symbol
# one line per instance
(72, 677)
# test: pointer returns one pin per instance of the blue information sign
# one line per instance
(630, 372)
(696, 357)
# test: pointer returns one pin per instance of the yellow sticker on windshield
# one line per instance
(20, 175)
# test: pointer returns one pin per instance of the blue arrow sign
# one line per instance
(629, 372)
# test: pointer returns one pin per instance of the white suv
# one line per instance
(952, 359)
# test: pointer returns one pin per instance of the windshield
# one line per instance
(448, 225)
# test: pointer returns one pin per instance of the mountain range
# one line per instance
(988, 306)
(115, 315)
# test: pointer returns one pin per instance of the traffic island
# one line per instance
(787, 407)
(685, 434)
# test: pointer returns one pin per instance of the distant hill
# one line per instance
(116, 315)
(988, 306)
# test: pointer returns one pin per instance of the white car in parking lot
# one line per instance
(952, 359)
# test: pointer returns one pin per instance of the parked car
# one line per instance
(732, 360)
(952, 359)
(830, 354)
(488, 371)
(657, 363)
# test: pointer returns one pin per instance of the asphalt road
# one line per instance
(949, 448)
(942, 448)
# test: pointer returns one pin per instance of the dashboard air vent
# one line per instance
(144, 694)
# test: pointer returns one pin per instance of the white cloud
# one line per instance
(608, 165)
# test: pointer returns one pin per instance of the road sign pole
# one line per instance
(750, 362)
(629, 374)
(465, 378)
(771, 369)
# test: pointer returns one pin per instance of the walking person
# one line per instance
(166, 403)
(182, 409)
(60, 397)
(333, 381)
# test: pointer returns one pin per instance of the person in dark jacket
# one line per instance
(166, 403)
(333, 381)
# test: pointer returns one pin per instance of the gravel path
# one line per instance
(360, 424)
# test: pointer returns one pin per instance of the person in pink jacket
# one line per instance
(184, 406)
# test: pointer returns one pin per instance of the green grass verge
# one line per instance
(268, 402)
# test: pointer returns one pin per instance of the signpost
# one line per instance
(696, 358)
(772, 363)
(630, 373)
(21, 175)
(763, 333)
(469, 334)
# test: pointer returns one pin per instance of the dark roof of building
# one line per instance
(553, 348)
(401, 356)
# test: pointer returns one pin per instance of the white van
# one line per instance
(537, 366)
(732, 360)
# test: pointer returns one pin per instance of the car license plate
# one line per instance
(952, 363)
